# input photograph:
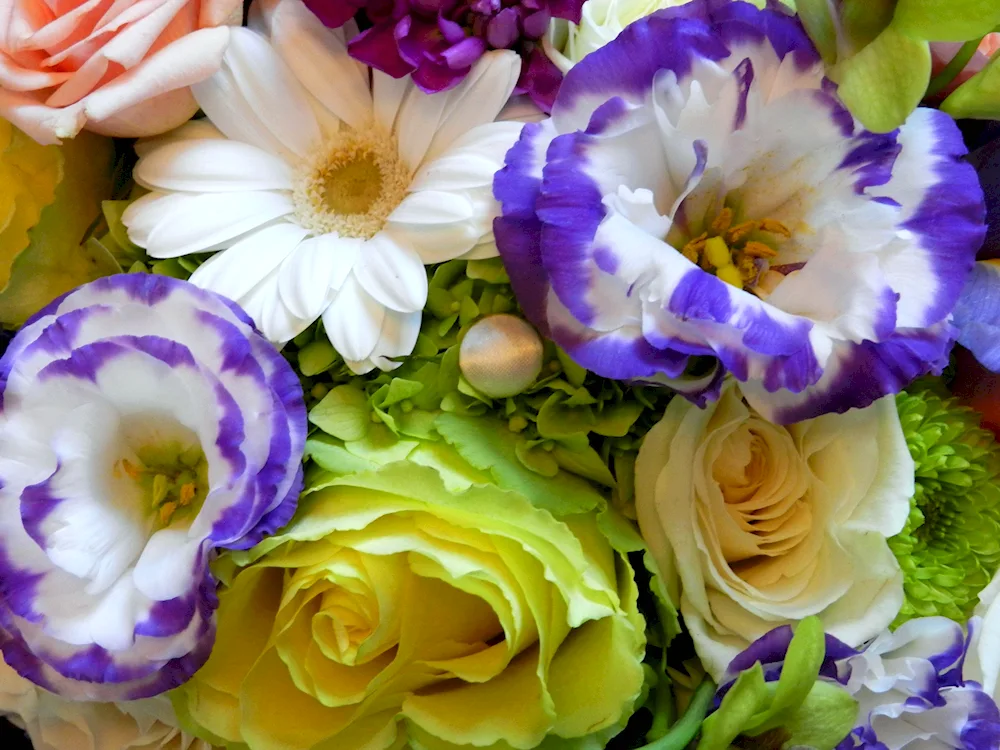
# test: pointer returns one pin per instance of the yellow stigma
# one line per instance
(738, 254)
(352, 184)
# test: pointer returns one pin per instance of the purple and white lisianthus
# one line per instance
(911, 685)
(145, 423)
(701, 203)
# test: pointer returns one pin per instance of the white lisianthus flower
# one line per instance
(982, 663)
(754, 525)
(329, 186)
(55, 723)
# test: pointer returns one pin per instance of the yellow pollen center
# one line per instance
(739, 254)
(173, 480)
(351, 185)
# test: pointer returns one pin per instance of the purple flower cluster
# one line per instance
(438, 41)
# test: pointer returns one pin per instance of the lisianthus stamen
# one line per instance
(351, 185)
(172, 477)
(729, 252)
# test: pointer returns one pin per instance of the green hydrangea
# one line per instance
(568, 420)
(950, 546)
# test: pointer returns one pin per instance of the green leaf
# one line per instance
(575, 454)
(537, 459)
(864, 20)
(343, 413)
(316, 357)
(400, 390)
(747, 696)
(621, 532)
(979, 97)
(946, 20)
(573, 372)
(54, 261)
(490, 270)
(821, 27)
(885, 81)
(330, 454)
(666, 607)
(824, 719)
(488, 445)
(557, 421)
(617, 420)
(798, 674)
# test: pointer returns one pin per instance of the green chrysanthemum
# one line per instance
(950, 545)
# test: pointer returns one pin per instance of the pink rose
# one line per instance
(117, 67)
(943, 52)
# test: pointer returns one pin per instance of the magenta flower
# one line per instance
(438, 41)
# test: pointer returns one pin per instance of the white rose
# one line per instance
(601, 21)
(54, 723)
(754, 525)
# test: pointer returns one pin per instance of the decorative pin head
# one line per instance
(500, 356)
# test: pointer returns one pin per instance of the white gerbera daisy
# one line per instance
(328, 185)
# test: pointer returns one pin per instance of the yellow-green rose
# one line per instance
(397, 609)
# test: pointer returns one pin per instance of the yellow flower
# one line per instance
(49, 196)
(393, 610)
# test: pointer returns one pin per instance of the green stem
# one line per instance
(940, 82)
(687, 727)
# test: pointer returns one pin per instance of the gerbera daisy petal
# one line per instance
(392, 274)
(246, 263)
(397, 338)
(353, 321)
(192, 130)
(212, 166)
(197, 222)
(318, 58)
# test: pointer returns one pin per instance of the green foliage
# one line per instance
(950, 545)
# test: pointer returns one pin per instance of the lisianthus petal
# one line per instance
(318, 58)
(857, 374)
(246, 263)
(212, 166)
(166, 563)
(194, 223)
(977, 313)
(353, 321)
(394, 275)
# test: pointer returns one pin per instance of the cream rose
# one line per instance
(119, 68)
(754, 525)
(54, 723)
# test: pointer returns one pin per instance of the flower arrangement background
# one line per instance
(523, 374)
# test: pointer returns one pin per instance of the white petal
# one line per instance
(471, 161)
(145, 213)
(314, 271)
(478, 99)
(210, 166)
(399, 336)
(257, 100)
(271, 314)
(191, 130)
(198, 222)
(272, 91)
(234, 272)
(388, 93)
(318, 58)
(393, 274)
(353, 321)
(432, 207)
(166, 568)
(436, 243)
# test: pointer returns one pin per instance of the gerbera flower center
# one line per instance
(351, 185)
(740, 254)
(172, 479)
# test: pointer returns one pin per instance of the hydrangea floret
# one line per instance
(146, 423)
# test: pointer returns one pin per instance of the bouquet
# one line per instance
(505, 374)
